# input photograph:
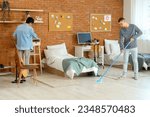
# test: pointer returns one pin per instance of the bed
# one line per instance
(57, 54)
(108, 59)
(112, 50)
(143, 61)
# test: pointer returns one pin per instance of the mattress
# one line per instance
(56, 62)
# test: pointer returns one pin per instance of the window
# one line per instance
(146, 18)
(141, 16)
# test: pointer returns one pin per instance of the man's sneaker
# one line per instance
(122, 76)
(135, 78)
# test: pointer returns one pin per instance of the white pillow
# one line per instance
(107, 45)
(49, 57)
(115, 48)
(59, 49)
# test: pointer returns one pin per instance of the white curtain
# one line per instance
(140, 15)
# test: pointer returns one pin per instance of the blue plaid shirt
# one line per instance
(24, 35)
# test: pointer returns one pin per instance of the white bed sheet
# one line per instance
(108, 59)
(57, 64)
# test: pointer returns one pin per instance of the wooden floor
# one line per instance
(52, 87)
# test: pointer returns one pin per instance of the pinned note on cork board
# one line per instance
(60, 21)
(100, 22)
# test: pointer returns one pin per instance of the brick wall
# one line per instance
(81, 10)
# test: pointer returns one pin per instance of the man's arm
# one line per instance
(121, 41)
(138, 33)
(15, 37)
(34, 35)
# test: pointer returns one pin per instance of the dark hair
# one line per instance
(121, 19)
(29, 20)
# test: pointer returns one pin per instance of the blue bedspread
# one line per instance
(78, 64)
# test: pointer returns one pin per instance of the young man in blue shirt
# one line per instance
(129, 33)
(24, 35)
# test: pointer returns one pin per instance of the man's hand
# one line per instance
(131, 39)
(122, 51)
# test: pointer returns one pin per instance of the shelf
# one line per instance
(6, 73)
(7, 67)
(38, 22)
(33, 10)
(26, 10)
(9, 22)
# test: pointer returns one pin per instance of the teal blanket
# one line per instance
(78, 64)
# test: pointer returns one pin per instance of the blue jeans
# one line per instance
(134, 54)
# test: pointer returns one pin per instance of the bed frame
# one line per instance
(53, 70)
(60, 73)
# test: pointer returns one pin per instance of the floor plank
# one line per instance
(52, 87)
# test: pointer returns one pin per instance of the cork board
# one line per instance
(100, 22)
(60, 21)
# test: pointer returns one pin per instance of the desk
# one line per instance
(98, 52)
(36, 53)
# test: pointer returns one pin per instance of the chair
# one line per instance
(21, 68)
